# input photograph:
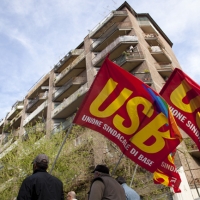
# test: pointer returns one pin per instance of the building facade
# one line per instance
(137, 44)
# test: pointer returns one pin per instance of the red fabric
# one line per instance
(132, 115)
(183, 96)
(167, 174)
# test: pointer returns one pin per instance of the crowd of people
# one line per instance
(43, 186)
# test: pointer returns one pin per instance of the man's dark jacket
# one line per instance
(41, 186)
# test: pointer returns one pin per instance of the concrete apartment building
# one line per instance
(137, 44)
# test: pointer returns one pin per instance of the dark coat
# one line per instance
(41, 186)
(109, 190)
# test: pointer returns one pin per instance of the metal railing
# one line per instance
(82, 90)
(109, 48)
(164, 66)
(35, 112)
(109, 32)
(67, 85)
(62, 126)
(34, 101)
(70, 67)
(66, 57)
(63, 88)
(106, 19)
(143, 22)
(155, 49)
(17, 105)
(134, 56)
(143, 76)
(16, 117)
(150, 35)
(37, 81)
(159, 50)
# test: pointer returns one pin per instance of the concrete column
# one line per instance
(22, 130)
(88, 58)
(49, 121)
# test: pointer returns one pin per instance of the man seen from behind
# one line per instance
(104, 187)
(41, 185)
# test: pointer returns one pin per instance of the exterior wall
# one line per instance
(158, 81)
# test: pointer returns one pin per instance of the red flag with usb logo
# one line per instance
(167, 173)
(183, 96)
(132, 115)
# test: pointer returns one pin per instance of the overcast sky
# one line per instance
(34, 35)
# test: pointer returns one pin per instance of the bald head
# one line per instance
(71, 195)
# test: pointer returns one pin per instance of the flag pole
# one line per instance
(133, 174)
(113, 172)
(64, 141)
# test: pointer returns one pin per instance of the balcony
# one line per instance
(33, 104)
(153, 40)
(1, 125)
(146, 25)
(62, 126)
(9, 138)
(69, 88)
(15, 109)
(38, 129)
(130, 61)
(113, 17)
(5, 138)
(7, 148)
(33, 116)
(67, 59)
(38, 87)
(73, 70)
(165, 70)
(115, 49)
(70, 105)
(2, 122)
(160, 55)
(144, 77)
(109, 36)
(16, 121)
(192, 148)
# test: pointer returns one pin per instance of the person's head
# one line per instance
(40, 162)
(71, 195)
(100, 170)
(120, 180)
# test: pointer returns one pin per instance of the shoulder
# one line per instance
(98, 183)
(36, 176)
(28, 182)
(55, 179)
(97, 179)
(30, 178)
(124, 185)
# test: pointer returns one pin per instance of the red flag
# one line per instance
(167, 174)
(183, 96)
(131, 114)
